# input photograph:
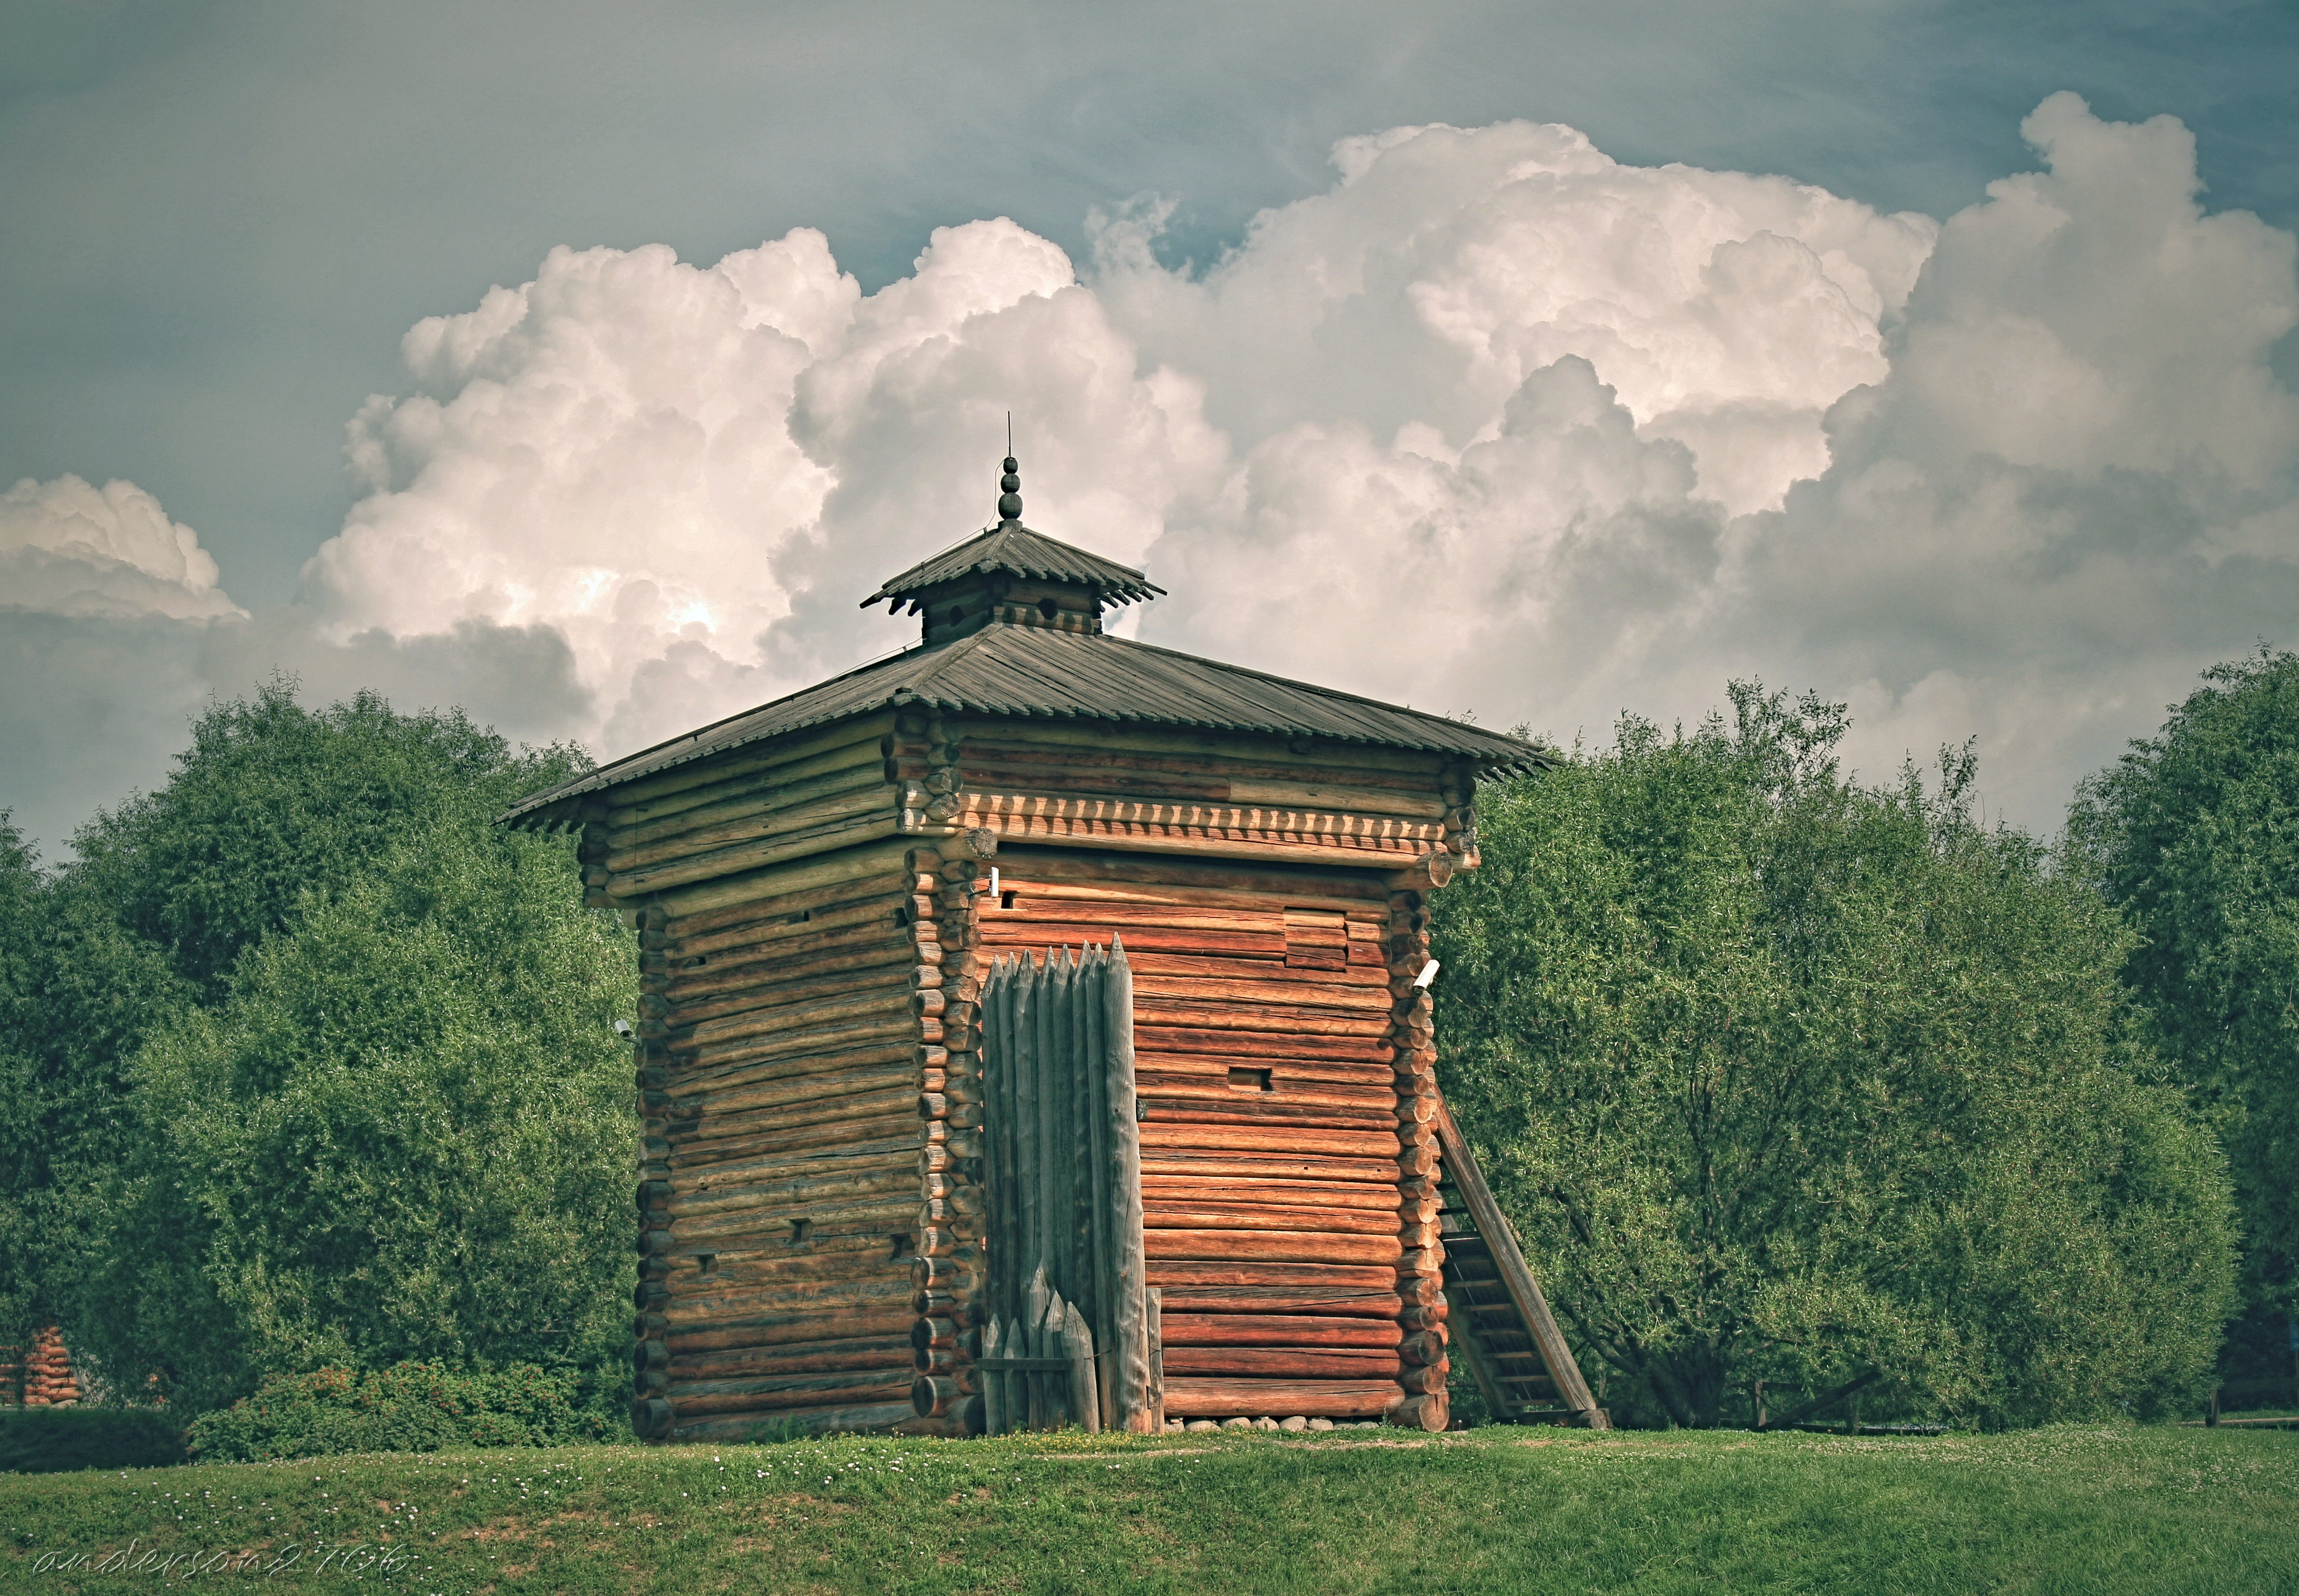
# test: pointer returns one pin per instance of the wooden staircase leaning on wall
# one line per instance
(1500, 1320)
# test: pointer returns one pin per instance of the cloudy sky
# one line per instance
(583, 364)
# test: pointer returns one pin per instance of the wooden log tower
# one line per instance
(823, 886)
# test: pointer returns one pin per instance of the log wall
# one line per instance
(1289, 1172)
(787, 952)
(815, 918)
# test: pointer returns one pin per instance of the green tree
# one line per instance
(1785, 1078)
(271, 1038)
(407, 1134)
(2195, 835)
(273, 801)
(77, 994)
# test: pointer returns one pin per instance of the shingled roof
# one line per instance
(1015, 549)
(1030, 671)
(1006, 663)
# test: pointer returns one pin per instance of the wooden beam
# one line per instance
(1508, 1258)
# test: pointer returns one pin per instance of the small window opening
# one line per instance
(1250, 1080)
(901, 1243)
(805, 915)
(709, 1262)
(902, 916)
(956, 613)
(1006, 900)
(800, 1229)
(1049, 608)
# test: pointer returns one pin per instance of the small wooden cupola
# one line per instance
(1009, 574)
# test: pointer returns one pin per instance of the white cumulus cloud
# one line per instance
(1492, 423)
(68, 548)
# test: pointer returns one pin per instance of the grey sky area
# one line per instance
(221, 217)
(219, 221)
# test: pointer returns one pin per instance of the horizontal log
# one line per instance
(707, 1398)
(1197, 1397)
(1117, 872)
(1162, 1213)
(768, 1225)
(887, 970)
(784, 751)
(840, 906)
(998, 933)
(1371, 1075)
(863, 1418)
(703, 1309)
(1268, 1139)
(785, 1010)
(1347, 985)
(871, 1352)
(1125, 917)
(667, 863)
(1158, 1038)
(1053, 898)
(1208, 1274)
(889, 1116)
(886, 1315)
(861, 1031)
(1001, 753)
(857, 760)
(858, 1257)
(1289, 1247)
(1210, 1013)
(1129, 740)
(823, 834)
(1278, 1110)
(736, 802)
(1284, 996)
(789, 1089)
(1285, 1166)
(1282, 1363)
(1015, 768)
(1214, 1085)
(1366, 1303)
(884, 1153)
(735, 1197)
(766, 965)
(1318, 1195)
(1003, 773)
(1279, 1330)
(686, 1079)
(857, 860)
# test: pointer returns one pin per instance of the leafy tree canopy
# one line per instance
(273, 801)
(1786, 1078)
(308, 1062)
(2195, 835)
(407, 1134)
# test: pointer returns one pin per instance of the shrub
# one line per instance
(1789, 1078)
(54, 1440)
(409, 1407)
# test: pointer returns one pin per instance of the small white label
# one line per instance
(1428, 974)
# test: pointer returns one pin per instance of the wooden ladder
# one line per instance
(1500, 1321)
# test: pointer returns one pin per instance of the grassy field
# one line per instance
(2063, 1509)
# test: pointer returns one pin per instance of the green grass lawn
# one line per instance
(2109, 1508)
